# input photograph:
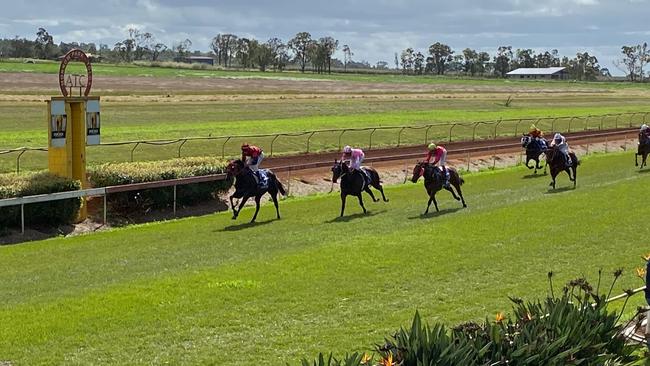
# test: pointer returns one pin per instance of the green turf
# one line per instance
(147, 71)
(210, 290)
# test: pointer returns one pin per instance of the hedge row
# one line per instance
(44, 213)
(575, 328)
(114, 174)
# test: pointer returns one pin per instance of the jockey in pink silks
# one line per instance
(439, 154)
(355, 157)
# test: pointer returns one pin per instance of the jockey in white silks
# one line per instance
(559, 141)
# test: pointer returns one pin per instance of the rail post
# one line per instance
(571, 121)
(22, 218)
(223, 147)
(370, 142)
(273, 142)
(495, 128)
(18, 161)
(181, 146)
(586, 126)
(553, 123)
(517, 127)
(132, 150)
(309, 139)
(340, 137)
(174, 200)
(426, 134)
(399, 136)
(474, 130)
(451, 128)
(105, 199)
(645, 116)
(616, 121)
(602, 119)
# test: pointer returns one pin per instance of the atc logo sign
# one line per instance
(71, 82)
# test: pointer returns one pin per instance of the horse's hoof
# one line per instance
(375, 201)
(234, 217)
(386, 200)
(464, 205)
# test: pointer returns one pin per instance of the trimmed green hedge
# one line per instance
(115, 174)
(44, 213)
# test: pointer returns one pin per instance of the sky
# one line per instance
(374, 30)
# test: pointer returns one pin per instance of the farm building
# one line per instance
(199, 60)
(548, 73)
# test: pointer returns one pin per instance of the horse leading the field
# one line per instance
(434, 181)
(644, 146)
(556, 159)
(247, 185)
(535, 147)
(354, 182)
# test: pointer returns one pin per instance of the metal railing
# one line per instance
(334, 139)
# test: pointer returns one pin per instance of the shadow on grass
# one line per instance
(560, 190)
(436, 213)
(533, 176)
(643, 171)
(355, 216)
(246, 225)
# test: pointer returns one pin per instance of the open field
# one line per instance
(209, 290)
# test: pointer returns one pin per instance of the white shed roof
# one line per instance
(536, 71)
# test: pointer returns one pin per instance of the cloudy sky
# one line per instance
(374, 30)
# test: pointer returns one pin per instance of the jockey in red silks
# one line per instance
(252, 156)
(439, 154)
(355, 157)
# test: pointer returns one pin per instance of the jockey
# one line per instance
(355, 157)
(644, 133)
(535, 132)
(439, 154)
(252, 156)
(563, 147)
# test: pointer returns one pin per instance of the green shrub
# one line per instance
(115, 174)
(42, 213)
(573, 329)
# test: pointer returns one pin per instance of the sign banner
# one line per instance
(58, 124)
(93, 123)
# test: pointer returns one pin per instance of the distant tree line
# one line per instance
(306, 53)
(441, 59)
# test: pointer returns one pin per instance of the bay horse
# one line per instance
(433, 182)
(246, 186)
(643, 150)
(557, 165)
(353, 183)
(534, 149)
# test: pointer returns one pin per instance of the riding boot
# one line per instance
(445, 173)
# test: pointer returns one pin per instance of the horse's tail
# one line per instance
(280, 187)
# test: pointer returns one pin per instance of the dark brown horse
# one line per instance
(534, 149)
(643, 150)
(556, 163)
(353, 183)
(246, 186)
(433, 182)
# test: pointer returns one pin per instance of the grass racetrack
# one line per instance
(209, 290)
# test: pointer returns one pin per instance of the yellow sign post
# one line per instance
(73, 122)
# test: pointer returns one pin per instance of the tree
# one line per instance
(262, 54)
(524, 58)
(482, 61)
(244, 50)
(329, 45)
(440, 55)
(279, 52)
(156, 50)
(635, 58)
(44, 43)
(583, 67)
(382, 65)
(418, 63)
(547, 59)
(502, 60)
(407, 58)
(396, 62)
(182, 48)
(471, 62)
(300, 45)
(347, 56)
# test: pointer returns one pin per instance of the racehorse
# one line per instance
(534, 149)
(557, 165)
(433, 182)
(353, 183)
(246, 186)
(643, 150)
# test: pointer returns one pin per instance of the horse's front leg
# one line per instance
(257, 207)
(361, 203)
(241, 204)
(343, 197)
(232, 205)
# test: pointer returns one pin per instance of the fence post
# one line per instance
(289, 184)
(341, 136)
(426, 134)
(132, 150)
(451, 128)
(370, 142)
(645, 116)
(181, 146)
(571, 121)
(553, 124)
(602, 118)
(22, 218)
(104, 221)
(517, 127)
(174, 200)
(223, 147)
(273, 142)
(18, 161)
(474, 130)
(495, 127)
(399, 136)
(308, 139)
(468, 161)
(616, 121)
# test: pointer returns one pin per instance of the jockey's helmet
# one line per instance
(245, 146)
(347, 149)
(432, 146)
(644, 127)
(558, 137)
(533, 128)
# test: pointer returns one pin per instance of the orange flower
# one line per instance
(500, 317)
(366, 359)
(640, 271)
(388, 361)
